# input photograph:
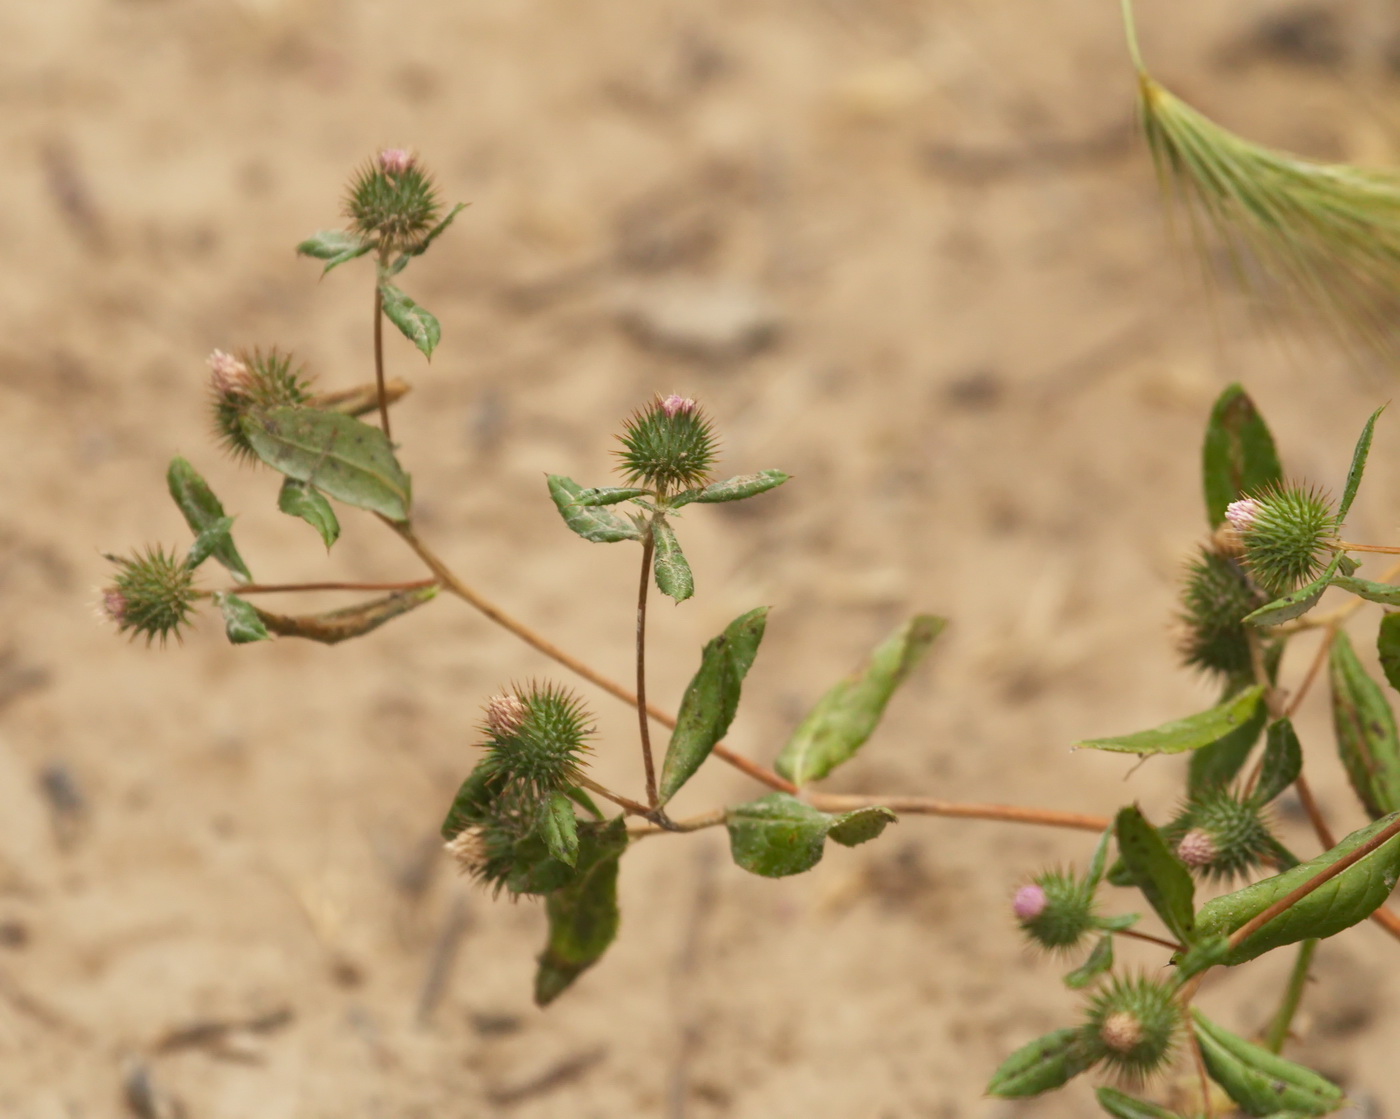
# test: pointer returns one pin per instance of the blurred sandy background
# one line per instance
(907, 251)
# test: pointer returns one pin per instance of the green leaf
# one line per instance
(1206, 953)
(710, 699)
(1239, 456)
(196, 501)
(584, 801)
(334, 246)
(1366, 733)
(534, 870)
(583, 915)
(776, 835)
(335, 626)
(600, 527)
(1099, 961)
(1350, 897)
(1123, 920)
(851, 829)
(1283, 761)
(673, 576)
(1123, 1106)
(1358, 464)
(1047, 1062)
(241, 621)
(1094, 875)
(850, 711)
(559, 828)
(1218, 763)
(1190, 733)
(421, 247)
(298, 499)
(1158, 873)
(213, 538)
(413, 321)
(1296, 603)
(609, 495)
(1388, 646)
(732, 489)
(1262, 1083)
(473, 798)
(337, 454)
(1387, 594)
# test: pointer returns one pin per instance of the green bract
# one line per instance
(668, 445)
(151, 595)
(1287, 536)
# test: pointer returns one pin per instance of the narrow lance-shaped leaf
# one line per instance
(559, 828)
(335, 626)
(1358, 463)
(1094, 875)
(1239, 456)
(1283, 762)
(1218, 763)
(1387, 594)
(583, 914)
(420, 247)
(711, 699)
(609, 495)
(732, 489)
(1098, 961)
(596, 525)
(1388, 646)
(1050, 1061)
(241, 622)
(673, 577)
(334, 246)
(298, 499)
(850, 711)
(779, 835)
(339, 455)
(196, 501)
(1190, 733)
(1366, 732)
(1296, 603)
(1262, 1083)
(1123, 1106)
(209, 541)
(1342, 901)
(414, 322)
(1157, 872)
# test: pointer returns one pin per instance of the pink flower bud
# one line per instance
(111, 605)
(1196, 848)
(228, 374)
(1241, 514)
(673, 405)
(1029, 902)
(505, 714)
(395, 161)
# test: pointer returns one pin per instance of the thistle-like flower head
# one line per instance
(1216, 596)
(242, 382)
(1221, 833)
(669, 445)
(152, 594)
(1287, 535)
(1056, 910)
(1132, 1026)
(392, 201)
(536, 738)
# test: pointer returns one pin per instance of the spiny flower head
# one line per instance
(1056, 909)
(1132, 1026)
(1216, 597)
(392, 201)
(1221, 833)
(152, 594)
(668, 445)
(1287, 532)
(536, 738)
(241, 382)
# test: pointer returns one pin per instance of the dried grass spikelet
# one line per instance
(1327, 236)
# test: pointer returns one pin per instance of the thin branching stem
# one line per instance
(379, 350)
(1130, 30)
(712, 819)
(1277, 1033)
(280, 588)
(929, 806)
(1175, 947)
(648, 550)
(627, 804)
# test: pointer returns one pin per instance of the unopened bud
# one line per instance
(505, 714)
(1241, 514)
(674, 404)
(394, 161)
(1197, 848)
(1121, 1031)
(1029, 903)
(228, 374)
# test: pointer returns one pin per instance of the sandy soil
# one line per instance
(953, 316)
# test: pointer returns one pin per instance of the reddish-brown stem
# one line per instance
(278, 588)
(1149, 938)
(929, 806)
(1379, 549)
(379, 357)
(627, 804)
(1322, 877)
(648, 548)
